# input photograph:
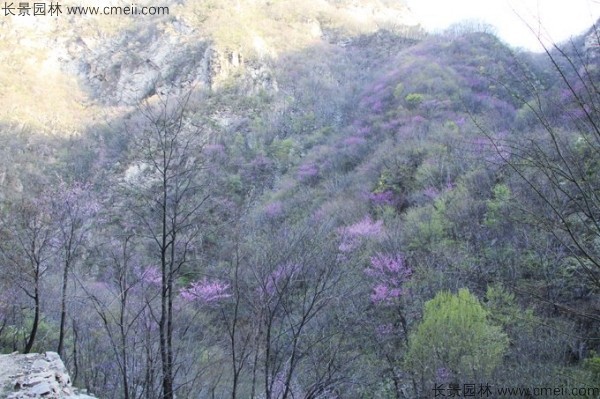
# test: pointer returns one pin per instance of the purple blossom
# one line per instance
(391, 125)
(369, 100)
(274, 209)
(382, 199)
(384, 329)
(279, 385)
(151, 275)
(383, 293)
(258, 168)
(418, 119)
(377, 106)
(404, 132)
(279, 278)
(319, 215)
(214, 149)
(443, 375)
(365, 228)
(492, 150)
(308, 172)
(382, 265)
(390, 273)
(354, 141)
(348, 245)
(431, 105)
(476, 83)
(353, 235)
(431, 192)
(364, 131)
(481, 144)
(98, 287)
(205, 291)
(379, 87)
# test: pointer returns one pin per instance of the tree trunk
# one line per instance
(165, 323)
(165, 354)
(36, 319)
(63, 309)
(75, 360)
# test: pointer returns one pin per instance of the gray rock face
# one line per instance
(36, 376)
(131, 66)
(166, 59)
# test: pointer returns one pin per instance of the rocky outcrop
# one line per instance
(36, 376)
(166, 59)
(129, 67)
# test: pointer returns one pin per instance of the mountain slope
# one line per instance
(279, 201)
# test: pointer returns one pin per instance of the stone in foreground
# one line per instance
(36, 376)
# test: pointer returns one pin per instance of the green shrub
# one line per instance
(455, 336)
(413, 100)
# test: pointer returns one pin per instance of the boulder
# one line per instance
(36, 375)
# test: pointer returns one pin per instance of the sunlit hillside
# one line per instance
(248, 24)
(33, 88)
(45, 79)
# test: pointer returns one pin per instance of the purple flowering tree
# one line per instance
(308, 173)
(205, 291)
(388, 274)
(383, 198)
(274, 210)
(282, 299)
(354, 234)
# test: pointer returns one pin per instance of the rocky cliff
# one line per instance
(36, 376)
(81, 68)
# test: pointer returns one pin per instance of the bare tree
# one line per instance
(298, 281)
(26, 248)
(72, 208)
(167, 196)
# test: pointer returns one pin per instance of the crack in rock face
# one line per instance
(36, 375)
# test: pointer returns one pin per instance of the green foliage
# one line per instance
(505, 312)
(282, 150)
(496, 205)
(456, 335)
(426, 226)
(432, 172)
(398, 91)
(14, 336)
(234, 184)
(593, 365)
(413, 100)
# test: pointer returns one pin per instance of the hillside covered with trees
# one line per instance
(290, 201)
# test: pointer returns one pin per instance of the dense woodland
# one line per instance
(404, 211)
